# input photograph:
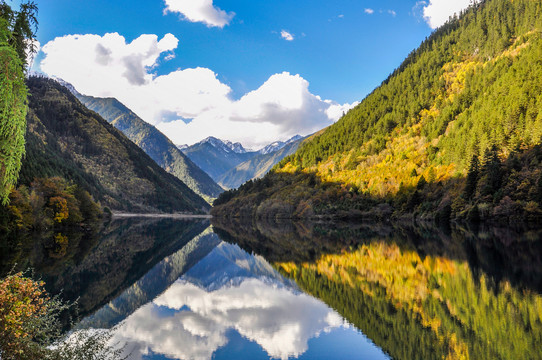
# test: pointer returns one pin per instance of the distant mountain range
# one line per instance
(207, 166)
(231, 165)
(153, 142)
(260, 164)
(278, 145)
(66, 139)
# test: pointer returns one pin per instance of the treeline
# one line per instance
(469, 95)
(48, 203)
(480, 35)
(493, 190)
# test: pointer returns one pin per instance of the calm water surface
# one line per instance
(183, 289)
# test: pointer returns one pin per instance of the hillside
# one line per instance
(216, 157)
(453, 133)
(154, 143)
(258, 165)
(66, 139)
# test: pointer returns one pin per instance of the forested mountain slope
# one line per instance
(66, 139)
(154, 143)
(454, 132)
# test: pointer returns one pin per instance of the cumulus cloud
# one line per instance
(286, 35)
(392, 13)
(279, 109)
(336, 111)
(108, 66)
(200, 11)
(186, 104)
(369, 11)
(437, 12)
(197, 320)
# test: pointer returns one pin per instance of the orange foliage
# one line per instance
(21, 301)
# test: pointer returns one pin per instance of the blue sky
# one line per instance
(249, 71)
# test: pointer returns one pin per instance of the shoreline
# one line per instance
(156, 216)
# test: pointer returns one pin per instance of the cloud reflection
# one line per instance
(190, 322)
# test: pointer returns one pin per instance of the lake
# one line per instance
(189, 289)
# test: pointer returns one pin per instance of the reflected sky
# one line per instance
(234, 305)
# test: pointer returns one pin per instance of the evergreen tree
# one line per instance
(16, 38)
(490, 173)
(472, 176)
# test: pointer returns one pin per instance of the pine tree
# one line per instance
(472, 176)
(16, 38)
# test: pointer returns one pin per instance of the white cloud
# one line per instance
(197, 320)
(108, 66)
(336, 111)
(286, 35)
(279, 109)
(369, 11)
(200, 11)
(392, 12)
(437, 12)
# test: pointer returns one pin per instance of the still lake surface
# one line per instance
(186, 289)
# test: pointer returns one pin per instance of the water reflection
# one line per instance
(419, 293)
(97, 267)
(228, 294)
(259, 290)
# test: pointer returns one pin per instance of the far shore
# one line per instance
(174, 216)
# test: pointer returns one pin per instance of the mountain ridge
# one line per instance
(453, 133)
(66, 139)
(154, 143)
(257, 166)
(230, 164)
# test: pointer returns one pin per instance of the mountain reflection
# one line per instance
(417, 292)
(228, 290)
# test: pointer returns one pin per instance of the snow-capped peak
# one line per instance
(277, 145)
(226, 145)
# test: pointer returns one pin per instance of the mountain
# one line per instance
(66, 139)
(154, 143)
(277, 145)
(216, 157)
(225, 145)
(230, 164)
(257, 166)
(453, 133)
(153, 283)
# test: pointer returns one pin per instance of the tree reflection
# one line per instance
(418, 292)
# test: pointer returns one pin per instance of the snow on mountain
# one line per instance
(277, 145)
(226, 145)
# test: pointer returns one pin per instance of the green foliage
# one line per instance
(255, 167)
(13, 108)
(66, 139)
(19, 28)
(48, 203)
(472, 176)
(17, 33)
(154, 143)
(472, 87)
